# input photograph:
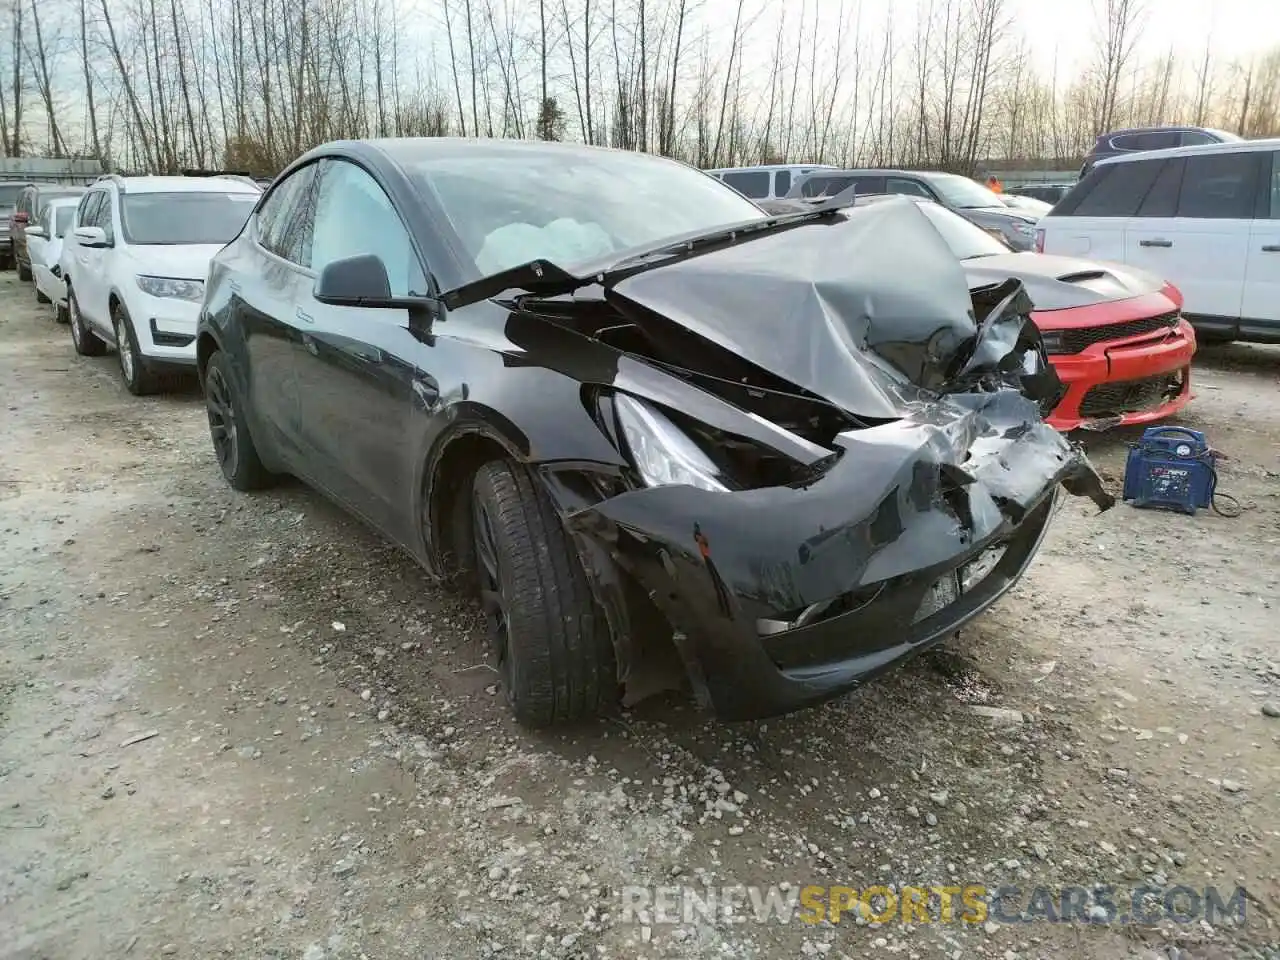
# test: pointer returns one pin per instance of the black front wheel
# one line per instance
(232, 443)
(552, 644)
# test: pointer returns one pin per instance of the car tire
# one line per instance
(553, 644)
(139, 379)
(40, 297)
(62, 314)
(84, 340)
(232, 443)
(24, 272)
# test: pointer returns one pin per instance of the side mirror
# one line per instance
(361, 281)
(35, 230)
(91, 236)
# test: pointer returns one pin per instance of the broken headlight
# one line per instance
(661, 452)
(1052, 340)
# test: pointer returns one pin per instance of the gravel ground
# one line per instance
(243, 726)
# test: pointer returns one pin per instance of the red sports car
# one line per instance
(1115, 335)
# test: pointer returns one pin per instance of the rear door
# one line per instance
(1200, 244)
(358, 375)
(1092, 220)
(1260, 311)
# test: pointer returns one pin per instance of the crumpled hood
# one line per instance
(863, 309)
(1059, 283)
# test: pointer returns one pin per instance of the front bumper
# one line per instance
(165, 328)
(1131, 381)
(784, 597)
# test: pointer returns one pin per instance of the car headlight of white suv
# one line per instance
(172, 289)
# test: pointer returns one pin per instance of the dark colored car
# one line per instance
(28, 209)
(10, 191)
(1050, 193)
(966, 197)
(655, 426)
(1138, 139)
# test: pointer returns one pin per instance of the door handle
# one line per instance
(1155, 243)
(1271, 248)
(304, 316)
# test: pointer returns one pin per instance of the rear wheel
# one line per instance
(138, 378)
(552, 643)
(40, 297)
(86, 343)
(24, 271)
(232, 444)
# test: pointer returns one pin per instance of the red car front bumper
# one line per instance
(1136, 377)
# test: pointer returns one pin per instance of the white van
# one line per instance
(769, 182)
(1206, 218)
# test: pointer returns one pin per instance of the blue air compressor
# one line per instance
(1173, 468)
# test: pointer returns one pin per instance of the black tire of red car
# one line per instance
(139, 379)
(232, 443)
(87, 344)
(552, 642)
(24, 271)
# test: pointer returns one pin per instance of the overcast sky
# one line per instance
(1238, 27)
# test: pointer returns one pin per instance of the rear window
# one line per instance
(753, 184)
(1220, 186)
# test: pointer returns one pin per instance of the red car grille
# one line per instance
(1075, 340)
(1130, 396)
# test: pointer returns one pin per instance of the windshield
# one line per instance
(185, 217)
(961, 192)
(964, 238)
(63, 215)
(43, 198)
(571, 207)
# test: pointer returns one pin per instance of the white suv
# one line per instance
(136, 265)
(1205, 218)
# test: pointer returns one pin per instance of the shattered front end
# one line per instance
(925, 505)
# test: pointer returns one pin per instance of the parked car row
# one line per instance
(124, 263)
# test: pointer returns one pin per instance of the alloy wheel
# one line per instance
(222, 421)
(124, 347)
(77, 333)
(492, 601)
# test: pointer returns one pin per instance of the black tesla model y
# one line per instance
(650, 422)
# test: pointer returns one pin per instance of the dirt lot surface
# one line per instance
(243, 726)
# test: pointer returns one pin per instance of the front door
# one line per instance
(1260, 313)
(1202, 246)
(358, 376)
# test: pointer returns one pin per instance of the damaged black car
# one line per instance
(660, 431)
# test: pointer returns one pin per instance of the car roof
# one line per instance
(1237, 146)
(168, 184)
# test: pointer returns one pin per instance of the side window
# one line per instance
(1194, 138)
(1155, 140)
(1121, 192)
(90, 208)
(25, 202)
(1220, 186)
(909, 187)
(781, 183)
(285, 220)
(866, 185)
(106, 215)
(1162, 198)
(750, 183)
(354, 216)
